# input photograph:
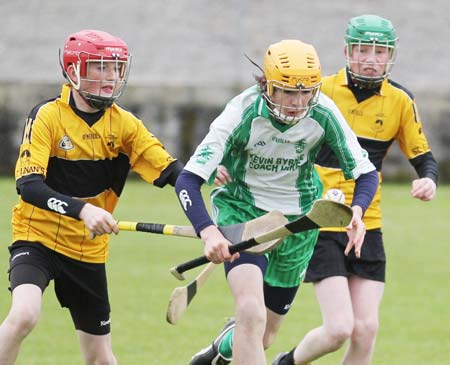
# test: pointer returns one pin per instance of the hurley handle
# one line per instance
(178, 270)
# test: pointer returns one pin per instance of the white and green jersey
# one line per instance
(272, 164)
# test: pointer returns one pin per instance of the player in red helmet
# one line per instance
(97, 65)
(75, 155)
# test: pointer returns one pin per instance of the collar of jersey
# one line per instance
(65, 94)
(342, 77)
(262, 110)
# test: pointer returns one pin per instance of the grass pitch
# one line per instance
(414, 313)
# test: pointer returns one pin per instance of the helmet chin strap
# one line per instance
(366, 82)
(97, 102)
(286, 119)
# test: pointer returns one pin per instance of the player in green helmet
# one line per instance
(349, 289)
(369, 36)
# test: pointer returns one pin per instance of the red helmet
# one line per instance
(95, 46)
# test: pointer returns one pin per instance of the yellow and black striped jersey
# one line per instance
(378, 120)
(88, 162)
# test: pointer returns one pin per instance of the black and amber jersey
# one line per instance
(378, 119)
(87, 162)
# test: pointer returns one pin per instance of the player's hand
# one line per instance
(423, 189)
(216, 245)
(356, 232)
(222, 176)
(98, 220)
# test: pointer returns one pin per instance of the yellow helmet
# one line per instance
(291, 65)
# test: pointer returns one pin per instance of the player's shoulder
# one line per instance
(394, 87)
(338, 78)
(128, 118)
(326, 106)
(43, 107)
(325, 112)
(246, 97)
(332, 78)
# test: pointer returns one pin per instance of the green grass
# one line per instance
(415, 319)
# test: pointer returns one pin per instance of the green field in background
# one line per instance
(415, 320)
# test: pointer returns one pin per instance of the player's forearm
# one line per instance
(188, 191)
(426, 166)
(35, 191)
(365, 188)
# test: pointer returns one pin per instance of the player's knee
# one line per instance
(251, 307)
(21, 322)
(339, 332)
(365, 329)
(251, 314)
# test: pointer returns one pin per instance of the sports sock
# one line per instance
(288, 359)
(226, 345)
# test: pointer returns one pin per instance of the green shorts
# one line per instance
(288, 262)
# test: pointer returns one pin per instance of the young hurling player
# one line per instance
(349, 289)
(75, 156)
(268, 138)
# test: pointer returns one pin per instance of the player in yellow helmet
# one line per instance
(379, 111)
(75, 155)
(267, 138)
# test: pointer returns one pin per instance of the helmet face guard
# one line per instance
(92, 89)
(101, 66)
(293, 78)
(287, 104)
(373, 35)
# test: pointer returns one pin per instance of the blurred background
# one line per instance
(188, 59)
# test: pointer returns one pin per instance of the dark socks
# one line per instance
(288, 359)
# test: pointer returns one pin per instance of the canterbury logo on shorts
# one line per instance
(57, 205)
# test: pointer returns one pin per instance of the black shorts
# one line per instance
(79, 286)
(329, 260)
(278, 300)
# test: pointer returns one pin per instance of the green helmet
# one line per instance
(370, 30)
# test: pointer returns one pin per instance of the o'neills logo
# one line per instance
(91, 136)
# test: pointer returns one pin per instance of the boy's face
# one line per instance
(292, 103)
(103, 78)
(369, 60)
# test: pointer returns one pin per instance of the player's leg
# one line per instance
(28, 277)
(20, 321)
(250, 314)
(336, 308)
(282, 276)
(93, 330)
(327, 270)
(96, 349)
(366, 289)
(245, 281)
(366, 298)
(82, 288)
(274, 322)
(278, 302)
(334, 300)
